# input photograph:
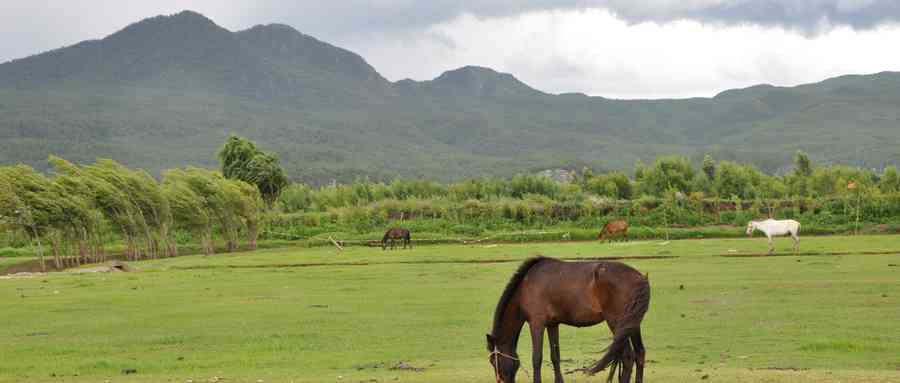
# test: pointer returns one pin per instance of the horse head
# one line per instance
(505, 364)
(750, 227)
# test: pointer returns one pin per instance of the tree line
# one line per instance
(666, 176)
(75, 210)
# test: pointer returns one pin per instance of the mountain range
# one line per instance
(167, 91)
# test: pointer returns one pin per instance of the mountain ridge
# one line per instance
(166, 91)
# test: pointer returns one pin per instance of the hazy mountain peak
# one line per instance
(482, 81)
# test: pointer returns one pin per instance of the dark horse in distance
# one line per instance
(546, 292)
(393, 235)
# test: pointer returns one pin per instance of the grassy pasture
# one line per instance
(263, 316)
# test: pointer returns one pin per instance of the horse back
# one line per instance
(616, 226)
(576, 293)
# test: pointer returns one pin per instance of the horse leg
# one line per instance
(553, 334)
(640, 355)
(627, 363)
(537, 349)
(796, 242)
(771, 245)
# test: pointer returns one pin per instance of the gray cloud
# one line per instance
(808, 16)
(30, 27)
(362, 16)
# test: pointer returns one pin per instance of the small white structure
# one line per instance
(772, 228)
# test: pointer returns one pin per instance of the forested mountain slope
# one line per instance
(165, 92)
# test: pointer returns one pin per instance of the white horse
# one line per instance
(772, 228)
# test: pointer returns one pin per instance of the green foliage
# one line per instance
(890, 180)
(735, 180)
(614, 185)
(242, 160)
(709, 167)
(667, 173)
(80, 209)
(295, 198)
(802, 164)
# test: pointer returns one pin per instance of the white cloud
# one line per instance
(594, 52)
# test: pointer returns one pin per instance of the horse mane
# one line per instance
(511, 287)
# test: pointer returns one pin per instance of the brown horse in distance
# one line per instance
(613, 229)
(395, 234)
(546, 292)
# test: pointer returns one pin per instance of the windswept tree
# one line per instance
(74, 182)
(41, 208)
(251, 211)
(242, 160)
(189, 209)
(132, 200)
(203, 200)
(212, 199)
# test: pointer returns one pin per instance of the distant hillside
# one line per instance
(165, 92)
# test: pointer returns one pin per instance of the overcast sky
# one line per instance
(611, 48)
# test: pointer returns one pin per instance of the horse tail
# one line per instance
(627, 331)
(387, 235)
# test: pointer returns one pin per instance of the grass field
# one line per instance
(313, 315)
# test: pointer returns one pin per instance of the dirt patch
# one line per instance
(399, 366)
(370, 366)
(472, 261)
(34, 266)
(403, 366)
(22, 275)
(115, 267)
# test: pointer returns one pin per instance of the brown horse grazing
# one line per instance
(613, 229)
(547, 292)
(393, 235)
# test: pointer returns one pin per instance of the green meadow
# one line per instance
(720, 311)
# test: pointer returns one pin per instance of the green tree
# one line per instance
(709, 167)
(613, 185)
(667, 172)
(43, 209)
(242, 160)
(734, 180)
(802, 164)
(191, 194)
(890, 180)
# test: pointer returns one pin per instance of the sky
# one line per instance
(612, 48)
